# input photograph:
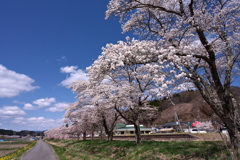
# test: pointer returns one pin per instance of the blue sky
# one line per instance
(40, 42)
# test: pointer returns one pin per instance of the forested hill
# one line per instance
(190, 106)
(19, 133)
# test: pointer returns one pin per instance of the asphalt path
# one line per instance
(41, 151)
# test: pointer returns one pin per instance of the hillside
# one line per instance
(189, 106)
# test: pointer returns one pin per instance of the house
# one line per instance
(173, 124)
(122, 129)
(172, 127)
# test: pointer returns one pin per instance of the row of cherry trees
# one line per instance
(183, 41)
(81, 121)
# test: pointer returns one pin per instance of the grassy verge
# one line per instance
(19, 152)
(128, 150)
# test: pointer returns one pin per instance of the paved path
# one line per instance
(41, 151)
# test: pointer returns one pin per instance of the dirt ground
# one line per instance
(212, 136)
(4, 152)
(7, 146)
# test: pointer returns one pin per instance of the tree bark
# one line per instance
(100, 134)
(84, 135)
(92, 134)
(135, 123)
(109, 129)
(226, 108)
(110, 136)
(137, 133)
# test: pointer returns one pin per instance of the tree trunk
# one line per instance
(230, 117)
(110, 136)
(108, 129)
(231, 122)
(84, 135)
(234, 138)
(226, 108)
(92, 134)
(137, 133)
(101, 134)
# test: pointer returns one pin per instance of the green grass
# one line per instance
(60, 152)
(128, 150)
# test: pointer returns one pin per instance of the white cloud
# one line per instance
(12, 83)
(58, 107)
(11, 111)
(62, 58)
(44, 102)
(18, 102)
(29, 106)
(68, 69)
(39, 103)
(75, 75)
(40, 122)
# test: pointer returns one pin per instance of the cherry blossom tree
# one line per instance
(201, 36)
(75, 130)
(102, 111)
(205, 125)
(60, 133)
(121, 77)
(51, 133)
(82, 118)
(107, 118)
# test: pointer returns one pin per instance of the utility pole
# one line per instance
(175, 114)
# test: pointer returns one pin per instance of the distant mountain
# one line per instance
(20, 133)
(189, 106)
(39, 131)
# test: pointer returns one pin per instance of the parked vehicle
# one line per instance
(195, 130)
(167, 130)
(223, 130)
